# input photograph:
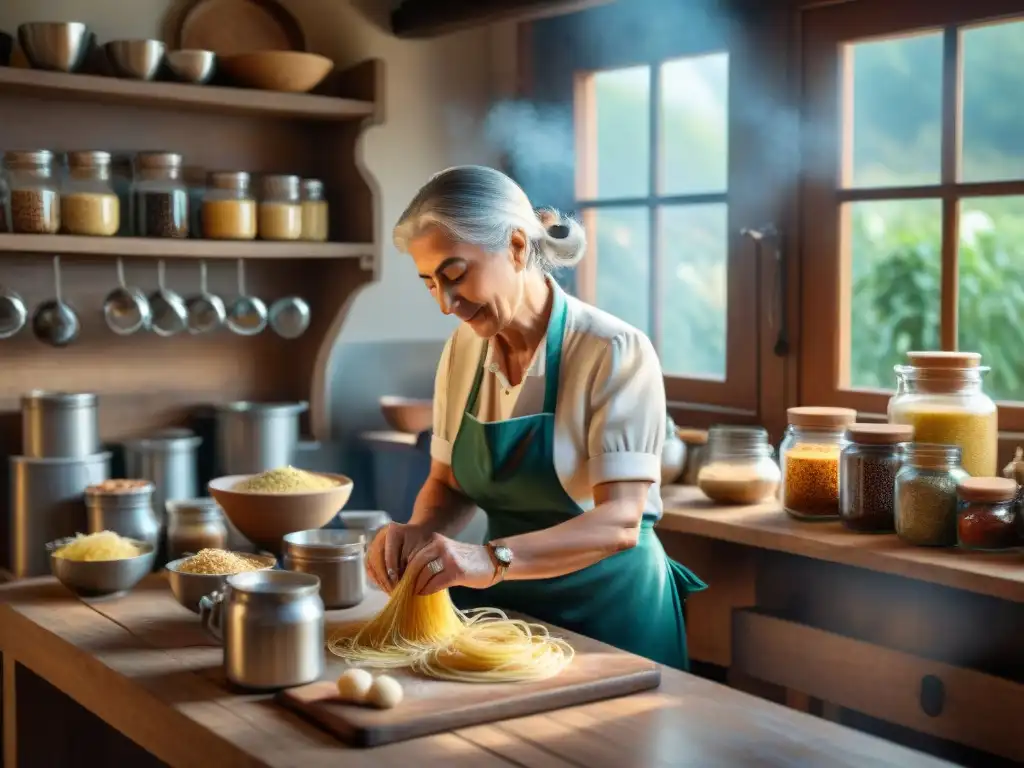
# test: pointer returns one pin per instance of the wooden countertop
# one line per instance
(143, 664)
(767, 526)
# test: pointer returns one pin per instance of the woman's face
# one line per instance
(481, 288)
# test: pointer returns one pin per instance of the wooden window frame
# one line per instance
(825, 298)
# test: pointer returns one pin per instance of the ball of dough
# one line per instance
(385, 693)
(354, 684)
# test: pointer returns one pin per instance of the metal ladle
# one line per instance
(54, 322)
(248, 314)
(206, 310)
(289, 317)
(168, 308)
(126, 310)
(13, 314)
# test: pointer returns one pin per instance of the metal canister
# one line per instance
(124, 507)
(336, 557)
(169, 460)
(59, 425)
(257, 437)
(195, 524)
(272, 626)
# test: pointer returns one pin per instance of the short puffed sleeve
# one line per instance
(441, 441)
(626, 431)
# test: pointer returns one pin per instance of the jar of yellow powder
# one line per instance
(89, 204)
(229, 210)
(940, 394)
(314, 211)
(809, 455)
(280, 208)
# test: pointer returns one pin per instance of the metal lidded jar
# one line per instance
(194, 524)
(34, 192)
(170, 460)
(740, 468)
(124, 507)
(809, 456)
(280, 208)
(336, 556)
(926, 495)
(229, 209)
(868, 467)
(314, 211)
(59, 425)
(161, 196)
(89, 205)
(987, 514)
(257, 437)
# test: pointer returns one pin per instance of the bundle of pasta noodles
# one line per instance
(435, 638)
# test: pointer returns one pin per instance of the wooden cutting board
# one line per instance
(429, 706)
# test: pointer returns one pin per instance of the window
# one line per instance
(913, 195)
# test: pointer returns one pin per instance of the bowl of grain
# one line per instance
(197, 575)
(270, 505)
(102, 563)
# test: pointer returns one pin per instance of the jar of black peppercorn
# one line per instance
(867, 476)
(161, 196)
(987, 514)
(34, 192)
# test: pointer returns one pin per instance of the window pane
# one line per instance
(896, 264)
(993, 112)
(620, 246)
(693, 295)
(992, 289)
(897, 112)
(623, 132)
(694, 129)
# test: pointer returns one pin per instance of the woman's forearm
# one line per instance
(441, 509)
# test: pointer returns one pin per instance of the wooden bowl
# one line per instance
(289, 71)
(264, 518)
(406, 414)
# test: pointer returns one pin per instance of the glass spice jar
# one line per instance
(696, 442)
(940, 394)
(229, 210)
(161, 196)
(986, 514)
(868, 467)
(194, 524)
(34, 192)
(88, 203)
(926, 500)
(739, 468)
(314, 211)
(280, 209)
(809, 456)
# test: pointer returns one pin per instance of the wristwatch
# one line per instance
(502, 556)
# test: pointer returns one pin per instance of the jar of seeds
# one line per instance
(809, 455)
(229, 210)
(161, 196)
(280, 208)
(926, 500)
(88, 203)
(34, 192)
(867, 476)
(314, 211)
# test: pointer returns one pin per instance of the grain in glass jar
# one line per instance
(987, 514)
(314, 211)
(161, 196)
(809, 455)
(868, 467)
(940, 394)
(739, 468)
(926, 496)
(34, 192)
(88, 203)
(229, 210)
(194, 524)
(280, 208)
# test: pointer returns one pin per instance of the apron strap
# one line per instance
(471, 400)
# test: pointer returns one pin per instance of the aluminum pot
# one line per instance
(169, 460)
(124, 507)
(59, 425)
(256, 437)
(272, 626)
(336, 557)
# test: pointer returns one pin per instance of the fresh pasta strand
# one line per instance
(432, 636)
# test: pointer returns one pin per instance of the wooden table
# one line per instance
(143, 665)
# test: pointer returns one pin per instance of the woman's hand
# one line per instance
(455, 565)
(391, 550)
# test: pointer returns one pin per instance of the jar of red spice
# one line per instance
(809, 455)
(987, 514)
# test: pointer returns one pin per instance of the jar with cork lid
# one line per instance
(739, 467)
(34, 192)
(280, 208)
(229, 209)
(987, 514)
(809, 455)
(161, 196)
(868, 467)
(89, 204)
(926, 494)
(314, 211)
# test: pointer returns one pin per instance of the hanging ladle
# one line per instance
(54, 322)
(248, 314)
(126, 310)
(205, 310)
(13, 314)
(169, 315)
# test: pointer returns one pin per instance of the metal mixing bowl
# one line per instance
(188, 588)
(101, 577)
(136, 59)
(55, 45)
(192, 66)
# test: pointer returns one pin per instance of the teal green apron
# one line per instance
(632, 600)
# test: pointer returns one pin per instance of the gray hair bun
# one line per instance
(565, 241)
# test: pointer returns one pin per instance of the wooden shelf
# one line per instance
(70, 245)
(180, 96)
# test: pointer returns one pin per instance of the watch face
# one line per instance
(504, 555)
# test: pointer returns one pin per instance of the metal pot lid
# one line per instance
(248, 406)
(285, 585)
(42, 397)
(324, 543)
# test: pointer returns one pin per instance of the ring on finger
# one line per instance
(436, 566)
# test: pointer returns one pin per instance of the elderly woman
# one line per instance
(549, 415)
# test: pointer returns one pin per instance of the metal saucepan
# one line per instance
(248, 314)
(169, 315)
(289, 317)
(54, 322)
(13, 314)
(126, 310)
(205, 310)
